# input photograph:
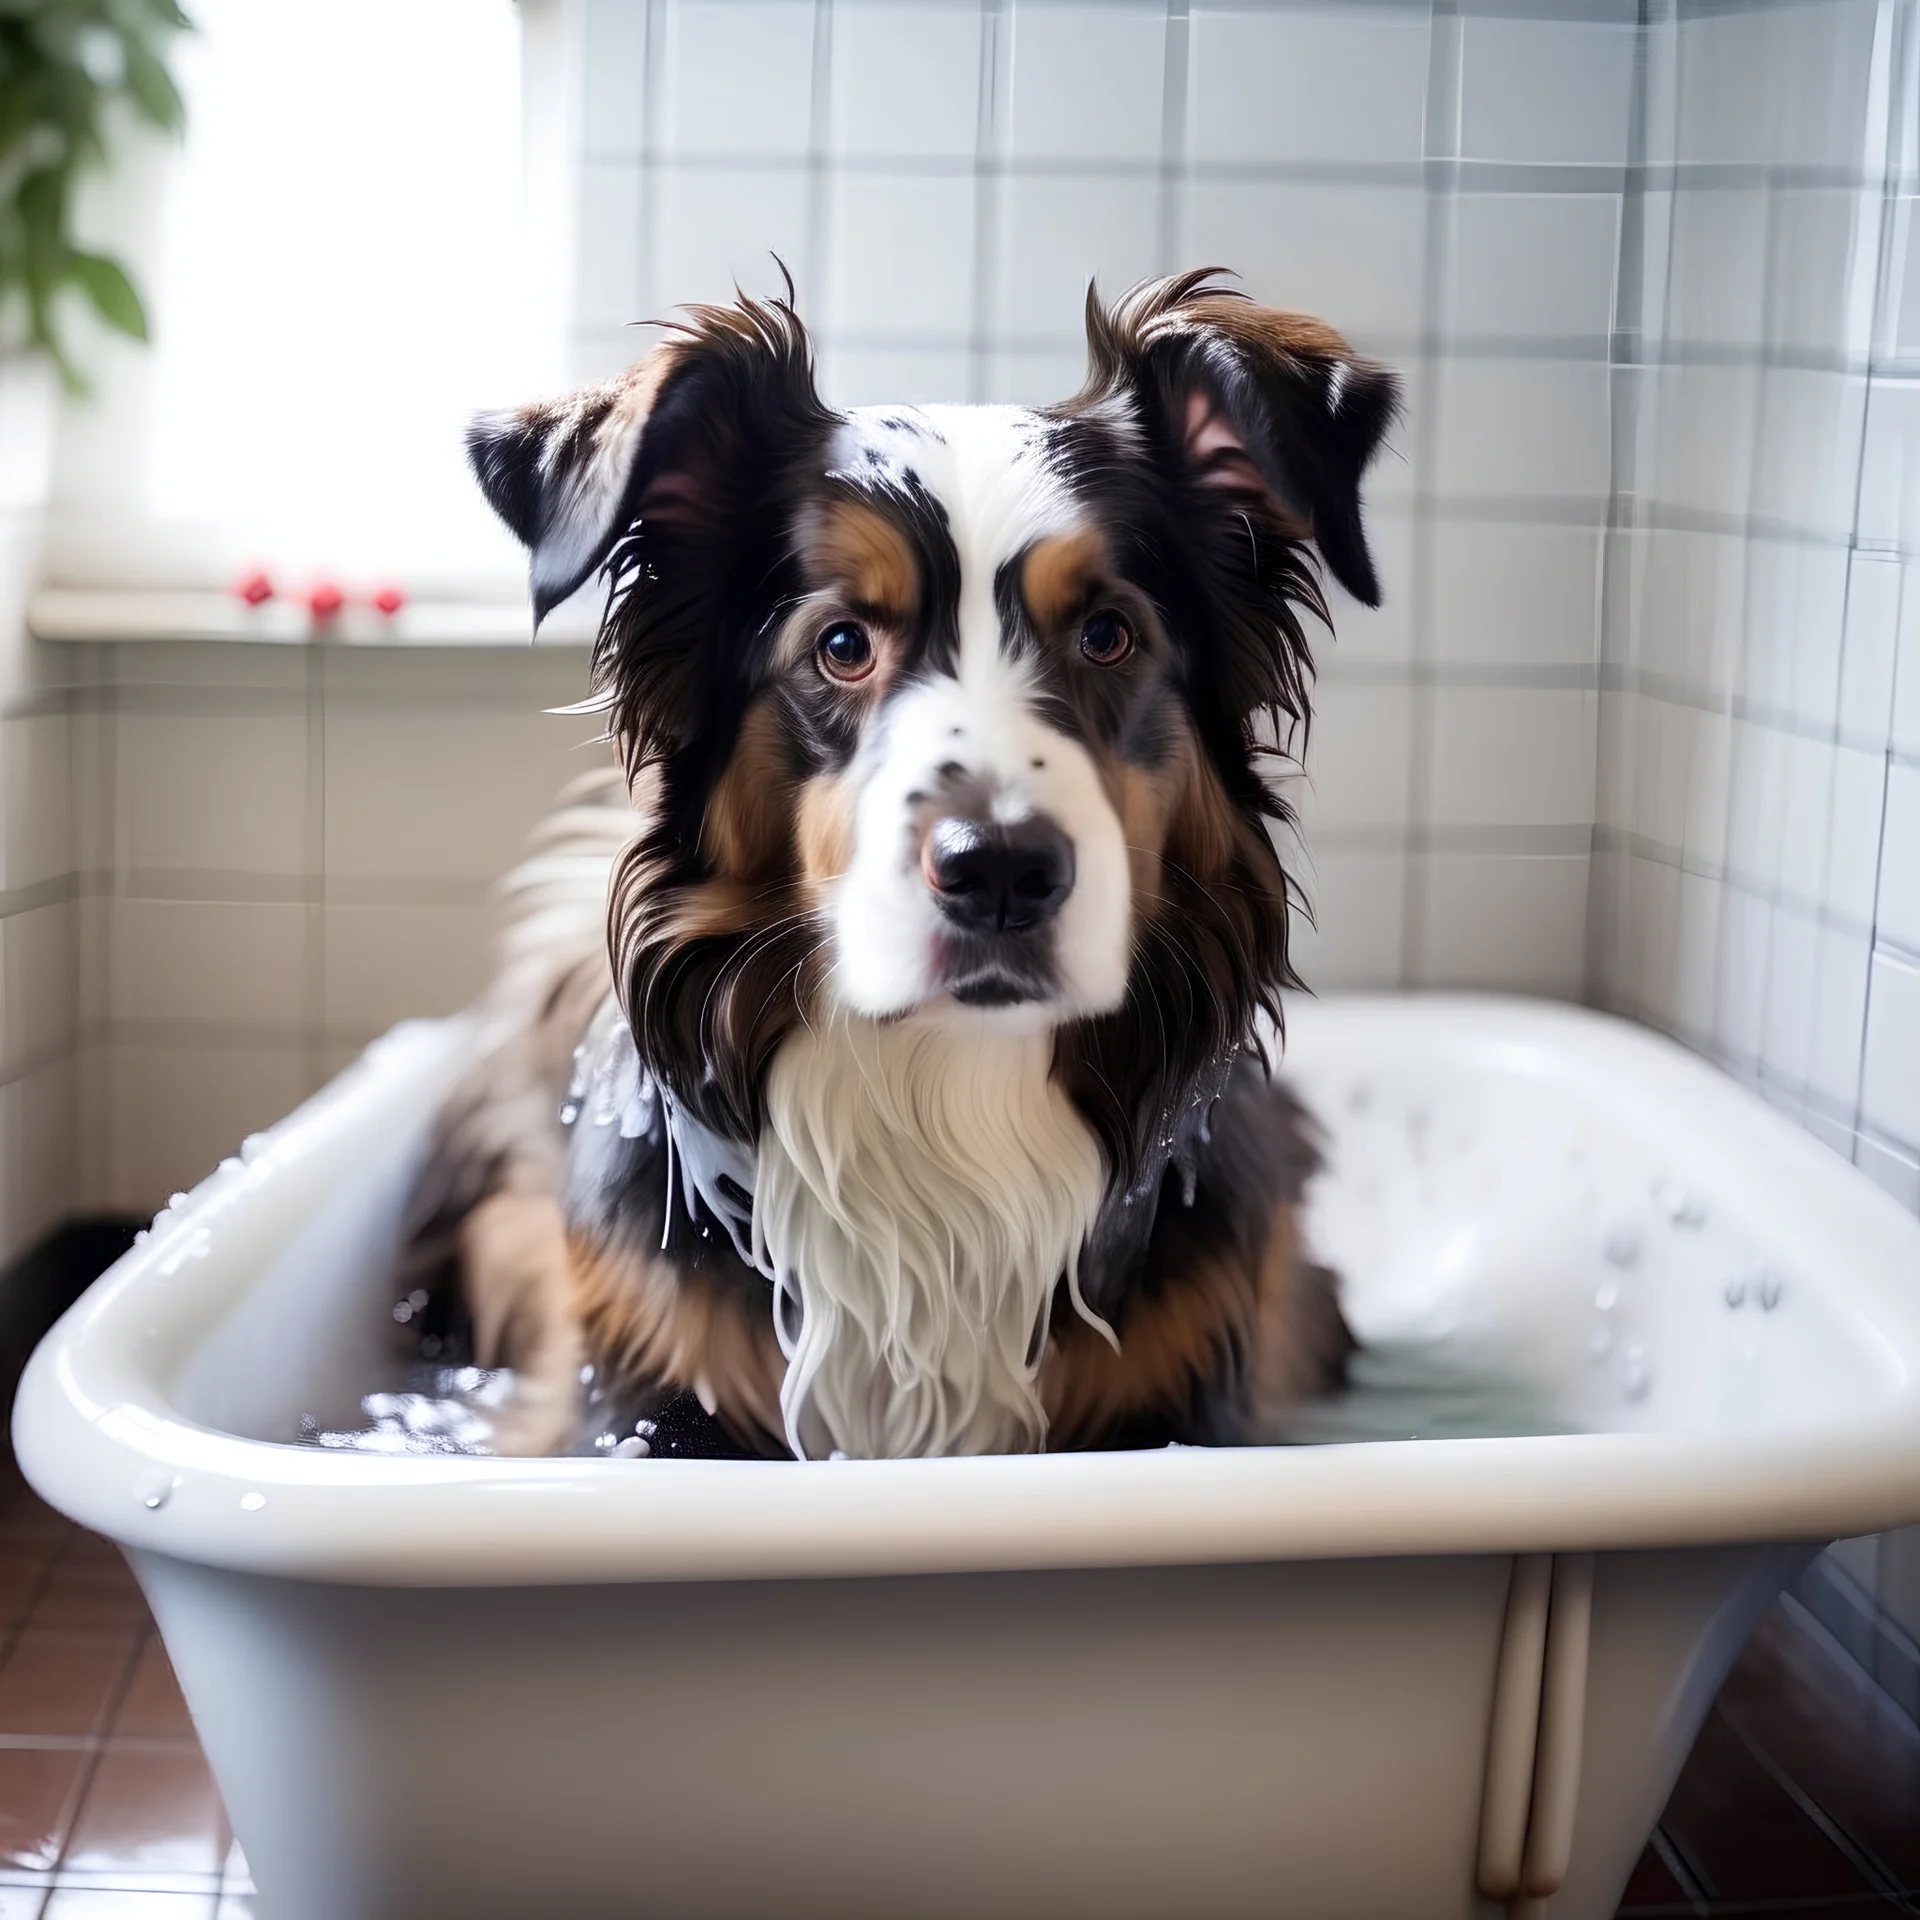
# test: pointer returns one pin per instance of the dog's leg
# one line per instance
(518, 1275)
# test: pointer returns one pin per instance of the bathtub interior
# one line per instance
(1526, 1245)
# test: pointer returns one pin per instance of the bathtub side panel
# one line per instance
(1302, 1739)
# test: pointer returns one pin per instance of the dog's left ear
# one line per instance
(1255, 405)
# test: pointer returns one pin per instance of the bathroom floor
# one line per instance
(1802, 1796)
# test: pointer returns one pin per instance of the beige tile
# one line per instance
(1508, 757)
(177, 1111)
(39, 981)
(36, 800)
(1354, 940)
(241, 962)
(393, 963)
(1357, 758)
(38, 1137)
(444, 796)
(1505, 921)
(221, 792)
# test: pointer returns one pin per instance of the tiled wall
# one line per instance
(943, 179)
(1757, 873)
(284, 850)
(38, 922)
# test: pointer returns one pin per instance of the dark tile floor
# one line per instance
(1802, 1796)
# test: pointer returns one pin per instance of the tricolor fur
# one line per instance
(944, 917)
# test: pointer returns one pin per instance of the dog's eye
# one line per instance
(1106, 639)
(845, 652)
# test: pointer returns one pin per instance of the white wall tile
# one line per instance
(1524, 427)
(1890, 1084)
(607, 290)
(1358, 897)
(1545, 89)
(1088, 81)
(1692, 609)
(1890, 465)
(1858, 791)
(1817, 234)
(906, 79)
(1792, 969)
(899, 376)
(1707, 420)
(1513, 757)
(1897, 913)
(716, 231)
(1373, 635)
(1839, 1012)
(1349, 253)
(1782, 85)
(614, 78)
(1533, 265)
(739, 77)
(1905, 723)
(1796, 596)
(1871, 647)
(36, 800)
(1807, 449)
(1746, 926)
(221, 791)
(397, 963)
(1019, 377)
(1295, 84)
(1357, 757)
(177, 1111)
(1519, 594)
(1056, 234)
(1715, 276)
(1756, 808)
(1696, 968)
(1507, 921)
(216, 961)
(901, 257)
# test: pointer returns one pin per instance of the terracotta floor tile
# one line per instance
(1741, 1833)
(1843, 1743)
(152, 1815)
(153, 1706)
(38, 1790)
(1652, 1885)
(89, 1600)
(55, 1682)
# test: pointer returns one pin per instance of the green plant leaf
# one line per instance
(111, 292)
(153, 92)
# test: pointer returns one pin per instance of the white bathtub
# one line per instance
(1401, 1679)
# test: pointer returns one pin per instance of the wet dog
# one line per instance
(879, 1053)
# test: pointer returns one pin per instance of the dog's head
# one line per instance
(956, 712)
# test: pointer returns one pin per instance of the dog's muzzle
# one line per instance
(998, 887)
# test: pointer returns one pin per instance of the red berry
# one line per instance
(254, 588)
(390, 600)
(324, 599)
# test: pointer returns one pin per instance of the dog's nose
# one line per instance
(994, 879)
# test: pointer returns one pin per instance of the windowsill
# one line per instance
(78, 615)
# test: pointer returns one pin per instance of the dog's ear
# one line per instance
(671, 441)
(1250, 404)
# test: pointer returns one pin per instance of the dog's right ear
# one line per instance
(727, 396)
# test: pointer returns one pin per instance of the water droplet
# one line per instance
(417, 1299)
(1636, 1376)
(402, 1312)
(645, 1428)
(569, 1112)
(252, 1147)
(586, 1374)
(154, 1490)
(252, 1502)
(1769, 1289)
(1606, 1296)
(1623, 1245)
(633, 1447)
(1684, 1209)
(1736, 1289)
(603, 1442)
(1601, 1342)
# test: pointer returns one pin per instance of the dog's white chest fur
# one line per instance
(920, 1188)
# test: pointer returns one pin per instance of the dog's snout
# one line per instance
(999, 879)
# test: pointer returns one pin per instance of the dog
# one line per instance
(878, 1055)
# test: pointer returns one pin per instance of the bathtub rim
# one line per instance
(97, 1435)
